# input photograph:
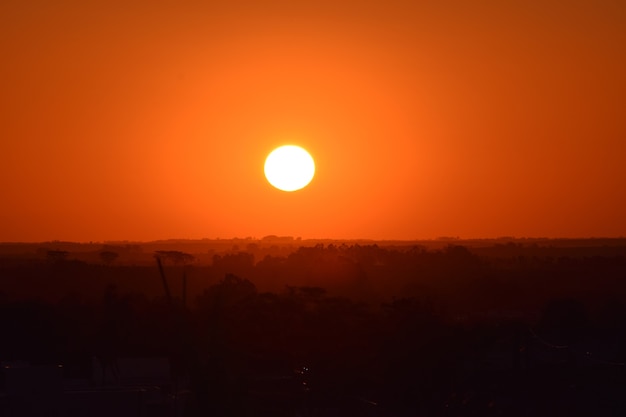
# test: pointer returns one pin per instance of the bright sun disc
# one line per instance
(289, 168)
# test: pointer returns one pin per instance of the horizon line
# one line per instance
(275, 238)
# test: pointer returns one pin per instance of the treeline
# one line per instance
(512, 278)
(415, 331)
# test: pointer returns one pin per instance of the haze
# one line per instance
(141, 121)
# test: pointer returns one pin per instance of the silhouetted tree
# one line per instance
(57, 255)
(108, 256)
(176, 257)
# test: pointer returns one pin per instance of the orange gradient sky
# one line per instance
(151, 120)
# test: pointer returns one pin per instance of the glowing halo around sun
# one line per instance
(289, 168)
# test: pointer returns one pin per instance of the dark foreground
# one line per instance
(507, 329)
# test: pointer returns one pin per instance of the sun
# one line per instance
(289, 168)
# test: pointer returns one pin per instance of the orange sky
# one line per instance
(150, 120)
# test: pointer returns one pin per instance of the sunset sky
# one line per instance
(128, 120)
